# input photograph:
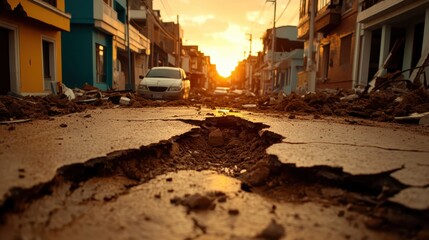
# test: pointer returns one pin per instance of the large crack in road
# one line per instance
(228, 146)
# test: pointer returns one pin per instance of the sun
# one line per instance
(225, 59)
(224, 65)
(224, 70)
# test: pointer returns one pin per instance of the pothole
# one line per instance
(227, 145)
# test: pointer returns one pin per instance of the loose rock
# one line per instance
(273, 231)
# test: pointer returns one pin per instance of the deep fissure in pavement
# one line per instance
(236, 148)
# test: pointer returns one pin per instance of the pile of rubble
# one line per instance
(381, 105)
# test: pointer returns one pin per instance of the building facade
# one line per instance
(195, 65)
(103, 49)
(30, 45)
(394, 36)
(276, 71)
(165, 37)
(286, 71)
(333, 44)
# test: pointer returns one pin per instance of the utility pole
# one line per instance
(249, 63)
(129, 83)
(250, 39)
(179, 44)
(311, 68)
(273, 43)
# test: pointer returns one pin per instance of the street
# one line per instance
(189, 119)
(182, 172)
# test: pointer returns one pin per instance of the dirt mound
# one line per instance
(36, 107)
(378, 106)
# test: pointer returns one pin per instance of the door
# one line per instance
(325, 61)
(5, 86)
(48, 64)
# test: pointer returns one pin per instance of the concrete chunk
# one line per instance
(216, 138)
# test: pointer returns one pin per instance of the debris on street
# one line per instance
(386, 104)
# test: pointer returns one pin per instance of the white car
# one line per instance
(165, 83)
(221, 91)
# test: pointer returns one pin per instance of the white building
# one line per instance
(288, 60)
(383, 24)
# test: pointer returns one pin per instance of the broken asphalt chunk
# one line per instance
(194, 202)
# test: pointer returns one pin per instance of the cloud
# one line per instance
(219, 27)
(233, 34)
(252, 16)
(195, 20)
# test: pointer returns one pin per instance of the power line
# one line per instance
(292, 17)
(166, 11)
(281, 14)
(160, 25)
(264, 10)
(260, 15)
(163, 31)
(270, 24)
(169, 7)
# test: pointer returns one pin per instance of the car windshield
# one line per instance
(164, 73)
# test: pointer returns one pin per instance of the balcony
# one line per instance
(303, 27)
(139, 15)
(375, 12)
(369, 3)
(46, 12)
(327, 19)
(138, 42)
(106, 18)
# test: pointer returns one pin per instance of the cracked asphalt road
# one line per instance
(317, 203)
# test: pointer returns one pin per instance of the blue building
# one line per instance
(95, 51)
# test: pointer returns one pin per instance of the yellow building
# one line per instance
(30, 45)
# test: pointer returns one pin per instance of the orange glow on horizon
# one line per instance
(225, 66)
(223, 32)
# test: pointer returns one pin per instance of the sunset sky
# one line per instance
(221, 28)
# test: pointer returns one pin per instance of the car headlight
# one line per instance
(143, 87)
(174, 88)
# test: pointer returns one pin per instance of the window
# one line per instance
(303, 8)
(347, 5)
(164, 73)
(368, 3)
(100, 57)
(325, 60)
(346, 48)
(322, 3)
(287, 77)
(51, 2)
(46, 60)
(121, 13)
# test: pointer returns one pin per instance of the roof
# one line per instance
(172, 68)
